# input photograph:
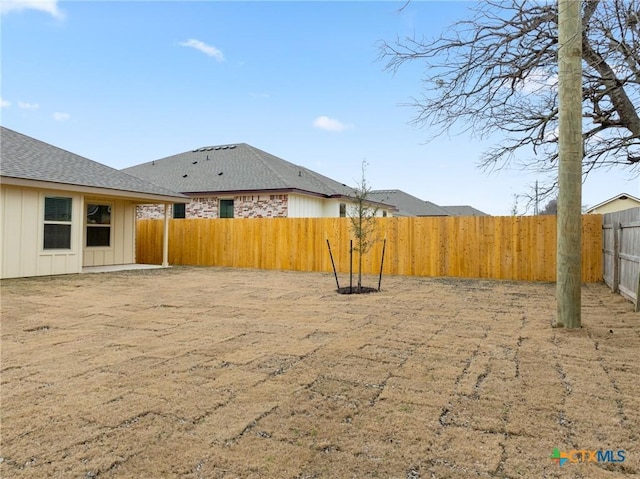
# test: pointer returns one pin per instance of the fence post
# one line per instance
(617, 233)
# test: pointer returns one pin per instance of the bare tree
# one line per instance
(514, 206)
(362, 217)
(498, 72)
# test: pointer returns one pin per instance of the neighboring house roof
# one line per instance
(26, 158)
(621, 196)
(408, 205)
(464, 210)
(234, 169)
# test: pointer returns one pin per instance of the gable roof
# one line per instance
(233, 169)
(26, 158)
(464, 210)
(621, 196)
(408, 205)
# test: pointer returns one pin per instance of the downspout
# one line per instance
(165, 237)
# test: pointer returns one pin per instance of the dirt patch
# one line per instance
(356, 290)
(216, 373)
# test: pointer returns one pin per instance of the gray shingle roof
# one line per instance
(464, 210)
(27, 158)
(408, 205)
(235, 168)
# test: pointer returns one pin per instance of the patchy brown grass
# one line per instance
(219, 373)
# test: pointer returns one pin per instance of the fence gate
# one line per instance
(621, 253)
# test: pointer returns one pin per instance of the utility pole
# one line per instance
(569, 245)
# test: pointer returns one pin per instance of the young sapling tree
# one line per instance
(363, 224)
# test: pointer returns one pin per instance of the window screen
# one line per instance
(57, 209)
(57, 223)
(226, 208)
(57, 236)
(179, 210)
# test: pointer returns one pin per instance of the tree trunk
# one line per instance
(569, 246)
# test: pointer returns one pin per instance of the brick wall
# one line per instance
(151, 212)
(202, 207)
(260, 206)
(249, 206)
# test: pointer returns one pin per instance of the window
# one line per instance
(57, 223)
(343, 210)
(179, 210)
(98, 225)
(226, 209)
(384, 213)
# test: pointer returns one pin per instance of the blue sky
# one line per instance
(123, 83)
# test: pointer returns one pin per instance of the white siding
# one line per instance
(332, 208)
(304, 207)
(18, 236)
(22, 230)
(310, 207)
(353, 212)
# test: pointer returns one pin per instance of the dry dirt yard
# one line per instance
(220, 373)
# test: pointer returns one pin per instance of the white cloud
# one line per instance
(58, 116)
(47, 6)
(330, 124)
(4, 103)
(28, 106)
(208, 50)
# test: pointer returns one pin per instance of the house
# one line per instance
(620, 202)
(241, 181)
(407, 205)
(60, 212)
(463, 210)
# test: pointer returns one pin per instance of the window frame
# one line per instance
(68, 223)
(342, 210)
(88, 225)
(183, 207)
(226, 201)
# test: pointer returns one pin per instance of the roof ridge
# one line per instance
(266, 163)
(50, 145)
(322, 178)
(249, 167)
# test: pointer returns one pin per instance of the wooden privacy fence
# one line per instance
(515, 248)
(621, 252)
